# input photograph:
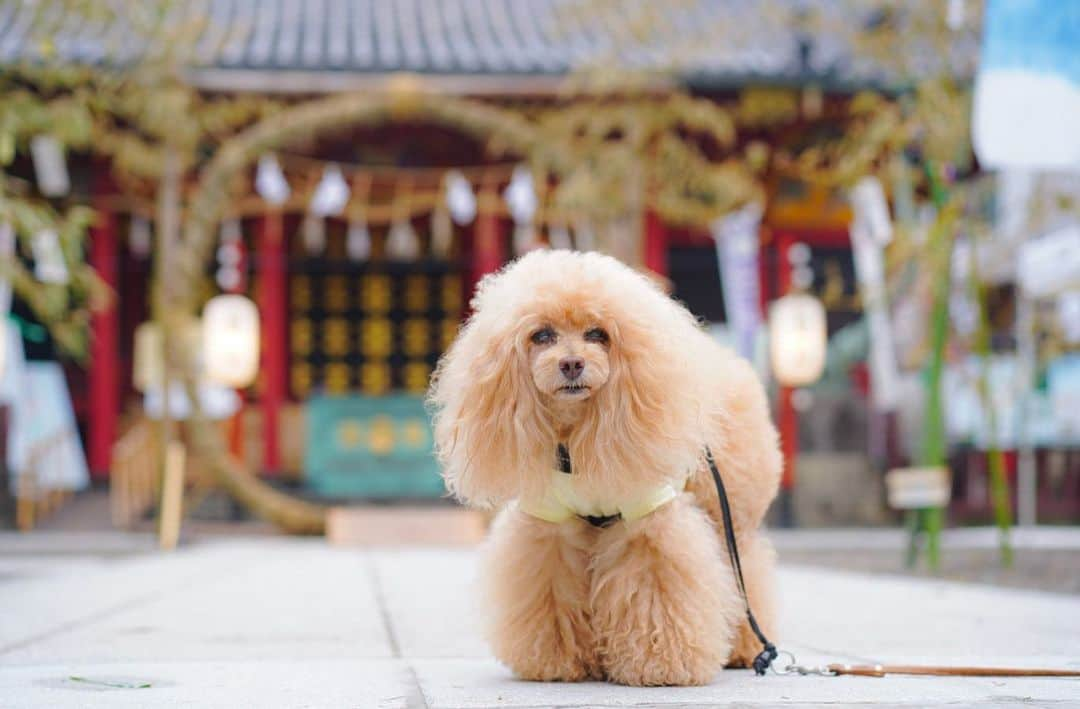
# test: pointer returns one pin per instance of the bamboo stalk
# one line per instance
(940, 246)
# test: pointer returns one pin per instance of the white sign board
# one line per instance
(1051, 263)
(918, 488)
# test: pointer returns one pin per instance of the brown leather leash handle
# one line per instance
(939, 671)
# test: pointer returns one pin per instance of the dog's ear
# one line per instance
(488, 430)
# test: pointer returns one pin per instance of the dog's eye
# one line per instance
(543, 336)
(596, 334)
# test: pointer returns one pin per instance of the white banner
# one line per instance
(870, 231)
(736, 237)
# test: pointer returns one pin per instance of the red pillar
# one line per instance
(104, 405)
(271, 264)
(655, 255)
(488, 254)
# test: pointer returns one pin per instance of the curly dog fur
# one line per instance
(578, 348)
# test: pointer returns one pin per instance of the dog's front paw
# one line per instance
(536, 587)
(546, 657)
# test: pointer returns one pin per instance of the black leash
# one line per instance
(768, 653)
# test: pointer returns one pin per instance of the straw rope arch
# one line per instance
(504, 132)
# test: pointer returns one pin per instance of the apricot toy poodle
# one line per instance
(579, 400)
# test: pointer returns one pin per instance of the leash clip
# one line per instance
(794, 668)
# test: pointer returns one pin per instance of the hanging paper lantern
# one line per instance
(49, 166)
(140, 240)
(358, 240)
(49, 265)
(331, 194)
(270, 182)
(230, 334)
(313, 234)
(402, 244)
(520, 195)
(797, 339)
(460, 199)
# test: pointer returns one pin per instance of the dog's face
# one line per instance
(575, 348)
(569, 362)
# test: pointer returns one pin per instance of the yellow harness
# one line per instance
(562, 500)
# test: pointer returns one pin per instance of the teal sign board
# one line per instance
(374, 447)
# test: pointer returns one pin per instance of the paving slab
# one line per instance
(278, 622)
(363, 684)
(430, 595)
(261, 599)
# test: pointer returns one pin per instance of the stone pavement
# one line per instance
(277, 622)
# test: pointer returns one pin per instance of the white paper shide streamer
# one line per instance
(329, 200)
(520, 196)
(270, 182)
(49, 265)
(460, 199)
(49, 167)
(313, 234)
(358, 240)
(331, 194)
(402, 243)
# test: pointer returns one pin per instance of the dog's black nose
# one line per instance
(571, 367)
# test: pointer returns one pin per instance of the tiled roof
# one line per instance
(747, 39)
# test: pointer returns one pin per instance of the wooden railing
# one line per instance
(36, 494)
(134, 480)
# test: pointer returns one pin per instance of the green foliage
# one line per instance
(129, 115)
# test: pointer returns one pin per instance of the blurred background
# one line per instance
(236, 237)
